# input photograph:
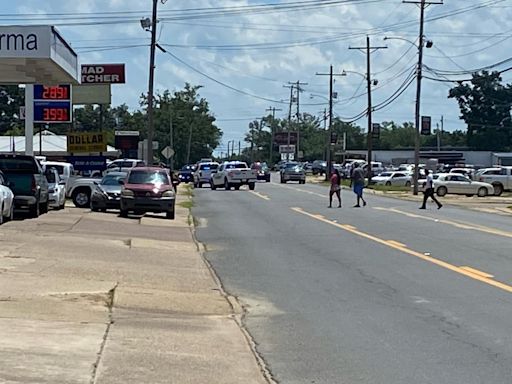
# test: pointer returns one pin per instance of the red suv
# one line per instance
(148, 189)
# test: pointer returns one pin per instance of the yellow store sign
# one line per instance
(87, 142)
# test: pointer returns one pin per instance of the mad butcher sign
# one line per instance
(103, 74)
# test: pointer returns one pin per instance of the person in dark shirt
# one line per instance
(357, 183)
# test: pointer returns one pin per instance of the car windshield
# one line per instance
(188, 168)
(17, 163)
(148, 177)
(112, 179)
(236, 166)
(208, 167)
(291, 165)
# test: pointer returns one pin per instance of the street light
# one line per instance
(428, 44)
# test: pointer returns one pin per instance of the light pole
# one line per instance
(417, 110)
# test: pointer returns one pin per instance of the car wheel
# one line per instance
(469, 195)
(11, 213)
(227, 187)
(388, 183)
(34, 210)
(1, 215)
(252, 186)
(303, 182)
(281, 180)
(482, 192)
(237, 187)
(498, 189)
(199, 185)
(44, 207)
(94, 208)
(408, 184)
(170, 215)
(441, 191)
(81, 197)
(212, 186)
(267, 179)
(123, 213)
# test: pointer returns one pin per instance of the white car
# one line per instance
(233, 174)
(204, 173)
(456, 184)
(400, 179)
(56, 188)
(6, 200)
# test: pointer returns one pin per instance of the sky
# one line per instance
(245, 53)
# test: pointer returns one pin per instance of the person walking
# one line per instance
(357, 182)
(429, 191)
(335, 187)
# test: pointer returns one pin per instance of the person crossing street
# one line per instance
(429, 192)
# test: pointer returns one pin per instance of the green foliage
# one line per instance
(485, 107)
(11, 99)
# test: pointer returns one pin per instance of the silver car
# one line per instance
(292, 171)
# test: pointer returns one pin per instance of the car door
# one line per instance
(466, 186)
(398, 179)
(218, 176)
(455, 185)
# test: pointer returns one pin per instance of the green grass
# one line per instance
(186, 190)
(186, 204)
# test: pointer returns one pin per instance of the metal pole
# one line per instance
(369, 85)
(151, 85)
(289, 124)
(29, 119)
(329, 161)
(171, 139)
(418, 100)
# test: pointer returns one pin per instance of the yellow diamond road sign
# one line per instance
(167, 152)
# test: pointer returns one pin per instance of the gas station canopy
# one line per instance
(36, 54)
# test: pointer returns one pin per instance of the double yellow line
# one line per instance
(463, 270)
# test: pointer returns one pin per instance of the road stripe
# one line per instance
(477, 272)
(397, 243)
(453, 223)
(443, 264)
(260, 195)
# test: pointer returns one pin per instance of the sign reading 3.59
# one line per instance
(52, 104)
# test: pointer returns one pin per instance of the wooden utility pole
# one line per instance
(329, 132)
(369, 50)
(273, 110)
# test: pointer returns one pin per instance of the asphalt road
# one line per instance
(382, 294)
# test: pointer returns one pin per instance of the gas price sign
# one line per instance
(52, 104)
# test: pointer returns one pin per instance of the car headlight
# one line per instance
(168, 194)
(127, 193)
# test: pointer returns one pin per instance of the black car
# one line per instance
(319, 167)
(186, 174)
(107, 194)
(263, 171)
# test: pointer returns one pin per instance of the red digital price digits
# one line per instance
(55, 114)
(55, 93)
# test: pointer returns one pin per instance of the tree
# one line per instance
(485, 107)
(11, 99)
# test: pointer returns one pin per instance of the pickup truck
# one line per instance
(233, 174)
(80, 190)
(501, 179)
(27, 181)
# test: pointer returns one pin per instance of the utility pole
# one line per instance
(369, 50)
(171, 138)
(329, 133)
(273, 110)
(239, 150)
(289, 120)
(423, 4)
(151, 84)
(299, 90)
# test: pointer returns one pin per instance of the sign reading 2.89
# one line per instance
(52, 104)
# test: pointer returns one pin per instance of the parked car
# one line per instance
(319, 167)
(204, 172)
(148, 189)
(377, 168)
(66, 170)
(292, 171)
(27, 182)
(233, 174)
(56, 188)
(80, 190)
(6, 200)
(501, 180)
(186, 173)
(262, 170)
(400, 179)
(107, 194)
(456, 184)
(308, 167)
(123, 165)
(468, 172)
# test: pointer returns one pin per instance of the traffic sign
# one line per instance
(167, 152)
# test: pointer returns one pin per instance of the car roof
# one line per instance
(147, 169)
(117, 173)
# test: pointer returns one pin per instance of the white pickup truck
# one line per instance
(499, 177)
(233, 174)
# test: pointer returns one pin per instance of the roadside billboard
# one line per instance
(84, 142)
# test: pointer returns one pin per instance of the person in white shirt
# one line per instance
(429, 192)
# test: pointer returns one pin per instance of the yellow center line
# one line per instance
(460, 270)
(261, 196)
(477, 272)
(397, 243)
(457, 224)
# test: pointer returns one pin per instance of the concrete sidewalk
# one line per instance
(95, 298)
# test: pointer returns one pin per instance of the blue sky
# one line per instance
(257, 53)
